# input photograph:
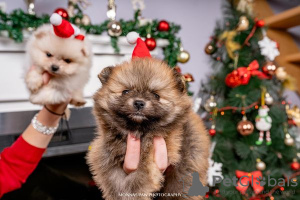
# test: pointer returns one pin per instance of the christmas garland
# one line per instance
(17, 21)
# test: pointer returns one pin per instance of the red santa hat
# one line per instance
(140, 50)
(64, 29)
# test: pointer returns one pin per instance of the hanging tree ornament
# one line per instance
(260, 165)
(288, 140)
(268, 48)
(150, 42)
(163, 26)
(86, 20)
(260, 23)
(30, 7)
(268, 99)
(245, 6)
(269, 68)
(212, 131)
(243, 24)
(114, 27)
(245, 127)
(210, 48)
(183, 56)
(295, 165)
(263, 122)
(210, 104)
(281, 74)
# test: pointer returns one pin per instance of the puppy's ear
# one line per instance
(105, 73)
(180, 83)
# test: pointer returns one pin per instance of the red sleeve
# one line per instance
(17, 163)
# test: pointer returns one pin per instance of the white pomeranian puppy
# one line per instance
(61, 51)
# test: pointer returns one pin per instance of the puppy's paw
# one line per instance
(78, 103)
(34, 81)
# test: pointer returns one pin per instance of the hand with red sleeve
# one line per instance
(19, 161)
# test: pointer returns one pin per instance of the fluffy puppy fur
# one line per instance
(67, 60)
(165, 111)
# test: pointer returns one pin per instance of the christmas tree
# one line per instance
(248, 117)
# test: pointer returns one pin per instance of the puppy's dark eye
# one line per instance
(156, 96)
(49, 55)
(125, 92)
(68, 60)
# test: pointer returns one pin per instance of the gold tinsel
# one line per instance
(231, 45)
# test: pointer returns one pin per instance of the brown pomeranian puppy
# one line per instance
(68, 60)
(147, 98)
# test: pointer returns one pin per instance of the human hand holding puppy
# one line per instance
(132, 156)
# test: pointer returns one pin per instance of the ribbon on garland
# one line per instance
(247, 179)
(242, 75)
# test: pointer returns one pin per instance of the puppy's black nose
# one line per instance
(138, 104)
(54, 68)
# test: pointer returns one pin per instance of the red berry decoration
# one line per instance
(62, 12)
(150, 43)
(188, 77)
(260, 23)
(177, 69)
(295, 166)
(163, 26)
(212, 132)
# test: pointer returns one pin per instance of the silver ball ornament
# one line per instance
(86, 20)
(114, 28)
(260, 165)
(288, 141)
(268, 99)
(210, 104)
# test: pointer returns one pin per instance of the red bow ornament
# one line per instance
(242, 75)
(247, 179)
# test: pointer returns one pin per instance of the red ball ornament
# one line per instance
(260, 23)
(62, 12)
(295, 166)
(150, 43)
(212, 132)
(163, 26)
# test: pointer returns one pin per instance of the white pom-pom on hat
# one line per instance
(132, 37)
(55, 19)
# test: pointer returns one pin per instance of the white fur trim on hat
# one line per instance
(76, 30)
(55, 19)
(132, 37)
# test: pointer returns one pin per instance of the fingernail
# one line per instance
(133, 137)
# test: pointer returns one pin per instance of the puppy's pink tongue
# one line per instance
(46, 78)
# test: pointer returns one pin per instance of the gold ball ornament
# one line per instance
(260, 165)
(243, 24)
(210, 49)
(77, 20)
(210, 104)
(245, 127)
(268, 99)
(86, 20)
(281, 74)
(114, 28)
(183, 56)
(288, 141)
